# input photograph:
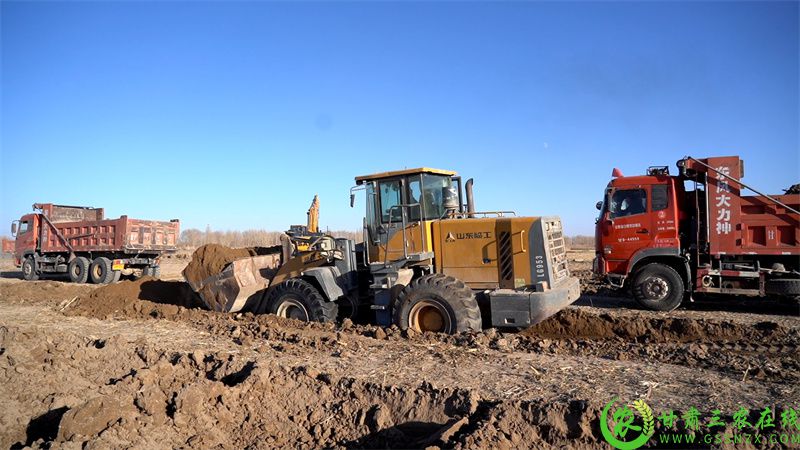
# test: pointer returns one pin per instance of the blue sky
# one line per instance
(234, 114)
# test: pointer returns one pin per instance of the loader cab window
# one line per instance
(628, 202)
(414, 196)
(390, 198)
(433, 187)
(371, 219)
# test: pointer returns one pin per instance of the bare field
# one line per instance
(141, 364)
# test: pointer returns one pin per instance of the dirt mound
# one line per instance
(576, 323)
(145, 297)
(41, 291)
(211, 259)
(119, 393)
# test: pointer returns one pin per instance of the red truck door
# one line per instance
(26, 235)
(628, 225)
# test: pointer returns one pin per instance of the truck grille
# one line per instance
(554, 239)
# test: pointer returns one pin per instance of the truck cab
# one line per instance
(24, 231)
(667, 236)
(639, 217)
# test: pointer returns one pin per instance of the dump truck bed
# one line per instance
(746, 225)
(81, 229)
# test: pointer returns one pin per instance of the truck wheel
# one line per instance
(783, 286)
(78, 270)
(100, 271)
(438, 303)
(154, 272)
(299, 299)
(658, 287)
(29, 269)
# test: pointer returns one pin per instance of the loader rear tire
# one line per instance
(100, 271)
(437, 303)
(299, 299)
(658, 287)
(78, 270)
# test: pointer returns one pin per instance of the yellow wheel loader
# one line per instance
(428, 261)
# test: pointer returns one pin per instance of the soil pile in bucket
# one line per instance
(145, 297)
(211, 259)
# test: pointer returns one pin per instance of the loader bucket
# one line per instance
(240, 286)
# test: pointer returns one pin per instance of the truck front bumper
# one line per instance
(510, 308)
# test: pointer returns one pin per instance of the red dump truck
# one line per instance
(82, 243)
(8, 246)
(668, 236)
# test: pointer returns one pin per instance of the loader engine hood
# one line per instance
(502, 252)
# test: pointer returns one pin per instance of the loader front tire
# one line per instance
(299, 299)
(437, 303)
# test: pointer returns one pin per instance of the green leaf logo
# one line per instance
(648, 428)
(624, 417)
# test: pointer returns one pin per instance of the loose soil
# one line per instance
(145, 297)
(211, 259)
(143, 364)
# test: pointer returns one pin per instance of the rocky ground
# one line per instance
(142, 364)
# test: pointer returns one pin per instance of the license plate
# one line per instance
(117, 265)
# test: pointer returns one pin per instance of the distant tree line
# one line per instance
(193, 238)
(579, 241)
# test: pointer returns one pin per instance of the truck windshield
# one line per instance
(627, 202)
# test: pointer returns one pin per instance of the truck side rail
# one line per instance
(722, 175)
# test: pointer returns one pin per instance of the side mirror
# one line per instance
(13, 228)
(598, 205)
(352, 200)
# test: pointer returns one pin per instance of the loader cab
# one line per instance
(400, 206)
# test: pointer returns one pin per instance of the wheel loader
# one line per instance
(428, 261)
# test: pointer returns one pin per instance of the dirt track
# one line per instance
(141, 363)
